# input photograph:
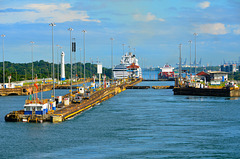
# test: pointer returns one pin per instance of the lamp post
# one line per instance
(195, 34)
(3, 59)
(32, 42)
(58, 46)
(112, 56)
(53, 75)
(70, 30)
(84, 31)
(190, 45)
(123, 61)
(180, 64)
(80, 75)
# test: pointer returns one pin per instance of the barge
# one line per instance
(221, 92)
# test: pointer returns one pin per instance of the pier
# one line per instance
(221, 92)
(66, 111)
(22, 91)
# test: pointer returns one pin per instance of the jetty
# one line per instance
(69, 109)
(24, 90)
(221, 92)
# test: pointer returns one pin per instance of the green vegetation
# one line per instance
(43, 69)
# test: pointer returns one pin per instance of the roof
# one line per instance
(202, 74)
(133, 66)
(218, 72)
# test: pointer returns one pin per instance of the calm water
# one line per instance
(134, 124)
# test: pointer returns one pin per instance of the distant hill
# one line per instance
(43, 69)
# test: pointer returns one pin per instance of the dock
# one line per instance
(137, 87)
(221, 92)
(157, 80)
(162, 87)
(64, 112)
(22, 91)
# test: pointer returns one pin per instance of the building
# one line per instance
(229, 68)
(204, 76)
(218, 76)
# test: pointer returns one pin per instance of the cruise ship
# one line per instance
(128, 68)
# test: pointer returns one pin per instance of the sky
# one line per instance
(153, 29)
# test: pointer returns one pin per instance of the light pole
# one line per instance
(3, 59)
(32, 42)
(112, 56)
(70, 30)
(84, 31)
(190, 45)
(80, 75)
(195, 34)
(123, 61)
(58, 46)
(53, 75)
(180, 64)
(90, 67)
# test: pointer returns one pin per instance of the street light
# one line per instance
(71, 29)
(112, 56)
(195, 34)
(32, 42)
(57, 63)
(53, 75)
(80, 75)
(190, 45)
(123, 61)
(3, 59)
(180, 64)
(84, 31)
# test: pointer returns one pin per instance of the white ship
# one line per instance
(128, 67)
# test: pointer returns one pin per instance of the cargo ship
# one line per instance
(166, 72)
(128, 67)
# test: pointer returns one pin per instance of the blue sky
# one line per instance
(155, 28)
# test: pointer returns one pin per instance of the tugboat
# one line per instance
(35, 109)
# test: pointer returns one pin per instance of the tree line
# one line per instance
(43, 69)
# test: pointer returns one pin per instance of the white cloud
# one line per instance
(45, 13)
(204, 4)
(146, 18)
(215, 29)
(237, 31)
(234, 28)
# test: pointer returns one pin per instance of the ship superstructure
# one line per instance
(125, 69)
(167, 72)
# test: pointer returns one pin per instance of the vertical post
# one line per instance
(190, 45)
(58, 63)
(112, 56)
(32, 42)
(80, 75)
(123, 62)
(53, 71)
(195, 34)
(180, 64)
(3, 59)
(71, 29)
(84, 31)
